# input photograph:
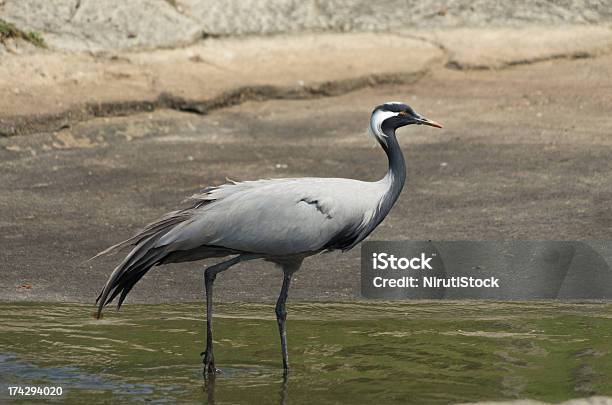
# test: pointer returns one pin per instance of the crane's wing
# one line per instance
(277, 217)
(268, 217)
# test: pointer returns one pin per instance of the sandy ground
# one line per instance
(48, 90)
(525, 154)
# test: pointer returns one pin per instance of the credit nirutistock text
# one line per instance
(385, 261)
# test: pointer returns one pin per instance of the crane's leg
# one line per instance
(209, 277)
(281, 317)
(281, 312)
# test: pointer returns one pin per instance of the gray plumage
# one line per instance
(279, 220)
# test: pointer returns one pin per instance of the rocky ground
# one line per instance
(89, 25)
(101, 135)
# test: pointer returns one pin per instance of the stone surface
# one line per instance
(85, 25)
(113, 24)
(278, 16)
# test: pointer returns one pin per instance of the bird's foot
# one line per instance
(209, 365)
(210, 370)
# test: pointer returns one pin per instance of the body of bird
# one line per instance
(278, 220)
(278, 216)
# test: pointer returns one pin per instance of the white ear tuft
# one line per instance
(376, 121)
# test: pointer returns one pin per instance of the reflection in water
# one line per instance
(350, 352)
(210, 382)
(284, 389)
(209, 388)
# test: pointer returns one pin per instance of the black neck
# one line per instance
(396, 174)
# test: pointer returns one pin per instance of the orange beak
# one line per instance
(431, 123)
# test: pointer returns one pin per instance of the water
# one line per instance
(362, 352)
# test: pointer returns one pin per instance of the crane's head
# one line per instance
(387, 117)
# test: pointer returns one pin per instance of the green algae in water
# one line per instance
(360, 352)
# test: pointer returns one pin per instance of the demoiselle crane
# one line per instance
(281, 221)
